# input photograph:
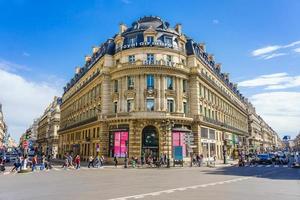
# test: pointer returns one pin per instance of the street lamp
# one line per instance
(224, 146)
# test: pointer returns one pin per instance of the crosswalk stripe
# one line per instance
(259, 165)
(285, 166)
(268, 166)
(276, 166)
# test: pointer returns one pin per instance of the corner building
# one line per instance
(143, 90)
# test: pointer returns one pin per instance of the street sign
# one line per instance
(25, 144)
(97, 148)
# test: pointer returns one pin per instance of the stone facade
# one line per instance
(3, 128)
(262, 137)
(144, 91)
(48, 125)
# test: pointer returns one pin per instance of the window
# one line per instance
(115, 107)
(184, 107)
(169, 83)
(150, 39)
(150, 104)
(150, 58)
(169, 59)
(132, 40)
(129, 105)
(212, 134)
(130, 83)
(184, 85)
(150, 81)
(116, 88)
(201, 109)
(131, 58)
(170, 103)
(168, 40)
(204, 132)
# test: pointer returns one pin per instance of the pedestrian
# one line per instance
(116, 161)
(102, 160)
(43, 162)
(91, 162)
(17, 164)
(77, 161)
(34, 163)
(70, 160)
(2, 164)
(66, 161)
(198, 160)
(97, 161)
(48, 161)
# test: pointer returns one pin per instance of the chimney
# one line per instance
(226, 76)
(88, 58)
(77, 70)
(211, 57)
(235, 86)
(218, 66)
(202, 46)
(95, 49)
(178, 28)
(122, 27)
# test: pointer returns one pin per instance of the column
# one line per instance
(178, 92)
(157, 87)
(162, 92)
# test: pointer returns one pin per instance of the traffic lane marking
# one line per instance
(139, 196)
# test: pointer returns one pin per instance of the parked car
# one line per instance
(262, 159)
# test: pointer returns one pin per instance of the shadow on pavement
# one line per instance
(279, 173)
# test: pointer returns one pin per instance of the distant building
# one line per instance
(3, 128)
(47, 127)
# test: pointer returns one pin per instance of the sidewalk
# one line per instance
(219, 163)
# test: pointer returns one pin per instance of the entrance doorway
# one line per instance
(150, 142)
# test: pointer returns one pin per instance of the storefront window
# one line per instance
(178, 140)
(212, 134)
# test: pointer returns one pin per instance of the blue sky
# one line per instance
(41, 42)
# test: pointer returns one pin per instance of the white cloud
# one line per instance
(273, 81)
(265, 50)
(269, 52)
(12, 67)
(273, 55)
(215, 21)
(23, 100)
(26, 54)
(281, 110)
(297, 50)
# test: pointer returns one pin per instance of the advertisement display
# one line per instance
(120, 140)
(179, 140)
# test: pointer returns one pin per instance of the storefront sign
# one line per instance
(141, 44)
(208, 141)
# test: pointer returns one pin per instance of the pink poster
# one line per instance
(178, 140)
(120, 148)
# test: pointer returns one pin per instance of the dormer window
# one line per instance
(132, 40)
(150, 39)
(168, 40)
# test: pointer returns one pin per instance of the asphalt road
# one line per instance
(261, 182)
